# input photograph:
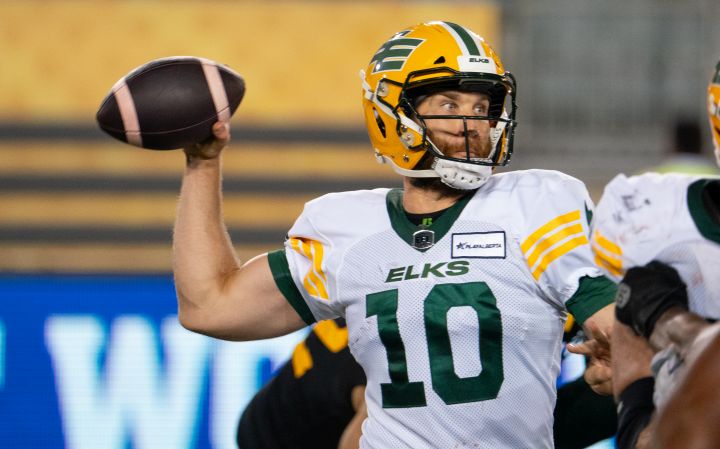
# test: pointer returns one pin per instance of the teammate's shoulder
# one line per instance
(649, 183)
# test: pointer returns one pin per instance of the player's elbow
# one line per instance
(187, 320)
(193, 315)
(205, 325)
(213, 319)
(191, 320)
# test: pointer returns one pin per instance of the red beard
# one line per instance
(479, 146)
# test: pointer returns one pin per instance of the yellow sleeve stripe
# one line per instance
(561, 250)
(334, 337)
(608, 255)
(553, 239)
(606, 244)
(315, 279)
(549, 227)
(611, 265)
(314, 250)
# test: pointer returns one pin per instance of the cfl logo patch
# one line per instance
(423, 239)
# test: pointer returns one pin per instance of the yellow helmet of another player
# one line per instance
(426, 58)
(714, 110)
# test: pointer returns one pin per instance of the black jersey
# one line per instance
(308, 403)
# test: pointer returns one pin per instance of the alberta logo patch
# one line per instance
(479, 245)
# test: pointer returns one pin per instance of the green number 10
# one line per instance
(400, 392)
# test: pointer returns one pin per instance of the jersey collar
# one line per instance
(405, 229)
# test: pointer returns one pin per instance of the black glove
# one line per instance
(645, 293)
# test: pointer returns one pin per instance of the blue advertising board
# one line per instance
(101, 362)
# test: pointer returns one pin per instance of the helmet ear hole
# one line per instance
(380, 123)
(440, 60)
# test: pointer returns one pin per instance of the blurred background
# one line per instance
(86, 295)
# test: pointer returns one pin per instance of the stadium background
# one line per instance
(90, 353)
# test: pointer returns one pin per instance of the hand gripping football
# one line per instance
(170, 103)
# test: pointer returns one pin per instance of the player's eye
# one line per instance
(481, 109)
(449, 105)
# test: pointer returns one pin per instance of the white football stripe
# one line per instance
(460, 42)
(129, 116)
(217, 90)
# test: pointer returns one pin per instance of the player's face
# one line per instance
(449, 134)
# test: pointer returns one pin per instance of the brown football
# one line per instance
(170, 103)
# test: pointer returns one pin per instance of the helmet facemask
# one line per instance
(480, 154)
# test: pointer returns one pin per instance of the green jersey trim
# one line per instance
(704, 222)
(281, 273)
(405, 229)
(588, 215)
(592, 295)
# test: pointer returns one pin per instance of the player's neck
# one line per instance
(427, 195)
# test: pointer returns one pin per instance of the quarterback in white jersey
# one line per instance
(455, 288)
(453, 335)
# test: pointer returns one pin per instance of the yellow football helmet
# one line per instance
(714, 110)
(426, 58)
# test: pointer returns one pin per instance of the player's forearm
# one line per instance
(631, 358)
(203, 255)
(350, 438)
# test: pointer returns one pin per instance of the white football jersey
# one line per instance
(460, 341)
(661, 217)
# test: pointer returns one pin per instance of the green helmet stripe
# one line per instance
(394, 53)
(466, 38)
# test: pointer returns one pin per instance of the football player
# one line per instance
(660, 234)
(455, 288)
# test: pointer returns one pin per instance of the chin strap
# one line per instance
(460, 175)
(457, 175)
(497, 132)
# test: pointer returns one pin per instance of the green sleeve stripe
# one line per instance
(281, 273)
(592, 295)
(703, 221)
